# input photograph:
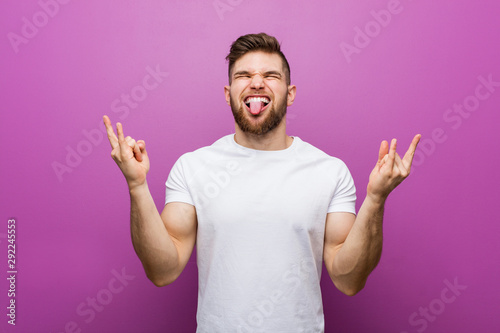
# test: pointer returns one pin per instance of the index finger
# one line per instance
(113, 140)
(408, 158)
(384, 149)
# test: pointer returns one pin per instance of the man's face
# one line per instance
(258, 94)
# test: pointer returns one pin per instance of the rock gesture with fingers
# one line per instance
(351, 257)
(130, 155)
(390, 169)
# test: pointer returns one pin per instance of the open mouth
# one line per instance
(257, 104)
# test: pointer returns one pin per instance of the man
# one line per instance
(263, 208)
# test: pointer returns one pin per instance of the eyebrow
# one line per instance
(265, 73)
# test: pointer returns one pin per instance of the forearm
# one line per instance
(361, 251)
(150, 238)
(351, 259)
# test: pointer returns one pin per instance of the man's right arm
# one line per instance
(163, 242)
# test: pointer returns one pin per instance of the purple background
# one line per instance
(73, 229)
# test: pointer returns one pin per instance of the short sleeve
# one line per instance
(176, 185)
(344, 197)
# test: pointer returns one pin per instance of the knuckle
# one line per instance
(115, 155)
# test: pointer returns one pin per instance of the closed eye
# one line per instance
(239, 75)
(273, 75)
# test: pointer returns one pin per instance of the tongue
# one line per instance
(256, 107)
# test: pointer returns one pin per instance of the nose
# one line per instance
(257, 81)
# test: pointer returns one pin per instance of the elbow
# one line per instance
(349, 282)
(352, 290)
(161, 281)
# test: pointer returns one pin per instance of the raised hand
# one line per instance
(130, 155)
(390, 169)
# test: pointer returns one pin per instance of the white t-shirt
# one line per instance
(261, 224)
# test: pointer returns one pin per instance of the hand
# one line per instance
(130, 156)
(390, 170)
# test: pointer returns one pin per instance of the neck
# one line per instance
(277, 139)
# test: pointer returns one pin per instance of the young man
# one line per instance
(263, 208)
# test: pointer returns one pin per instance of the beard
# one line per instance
(270, 122)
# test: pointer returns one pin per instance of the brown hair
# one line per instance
(256, 42)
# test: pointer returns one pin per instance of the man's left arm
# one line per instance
(353, 245)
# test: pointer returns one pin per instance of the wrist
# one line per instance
(376, 200)
(138, 189)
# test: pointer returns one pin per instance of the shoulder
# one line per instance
(307, 151)
(207, 153)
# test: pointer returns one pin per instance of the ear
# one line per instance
(227, 91)
(291, 94)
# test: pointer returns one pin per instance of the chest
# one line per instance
(255, 197)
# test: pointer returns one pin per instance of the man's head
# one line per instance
(259, 88)
(256, 42)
